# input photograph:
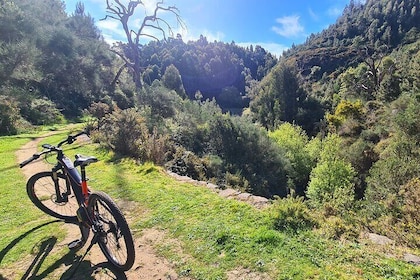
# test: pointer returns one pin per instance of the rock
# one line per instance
(410, 258)
(244, 196)
(379, 239)
(228, 193)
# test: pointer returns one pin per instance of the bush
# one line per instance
(126, 133)
(331, 181)
(247, 150)
(403, 222)
(41, 112)
(186, 163)
(336, 227)
(9, 114)
(292, 214)
(293, 140)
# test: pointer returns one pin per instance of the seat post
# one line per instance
(85, 189)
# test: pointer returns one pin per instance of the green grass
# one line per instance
(23, 228)
(206, 235)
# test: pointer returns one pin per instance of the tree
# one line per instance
(293, 140)
(130, 52)
(331, 181)
(278, 97)
(172, 80)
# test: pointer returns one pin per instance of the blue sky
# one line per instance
(272, 24)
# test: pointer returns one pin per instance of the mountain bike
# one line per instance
(63, 193)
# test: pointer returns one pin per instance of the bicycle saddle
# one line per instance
(84, 160)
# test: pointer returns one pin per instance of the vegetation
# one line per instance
(333, 123)
(206, 236)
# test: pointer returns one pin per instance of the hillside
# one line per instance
(334, 122)
(375, 25)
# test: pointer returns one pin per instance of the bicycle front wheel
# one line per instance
(41, 191)
(113, 233)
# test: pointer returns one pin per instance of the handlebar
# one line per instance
(50, 148)
(32, 158)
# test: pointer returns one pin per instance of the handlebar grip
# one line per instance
(70, 139)
(32, 158)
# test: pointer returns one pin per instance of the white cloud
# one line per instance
(273, 48)
(189, 33)
(289, 26)
(313, 15)
(111, 30)
(334, 12)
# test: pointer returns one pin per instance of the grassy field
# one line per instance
(207, 237)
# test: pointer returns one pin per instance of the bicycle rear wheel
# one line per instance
(41, 191)
(114, 236)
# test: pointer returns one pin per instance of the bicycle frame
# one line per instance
(74, 179)
(94, 210)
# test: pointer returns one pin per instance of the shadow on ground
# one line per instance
(70, 265)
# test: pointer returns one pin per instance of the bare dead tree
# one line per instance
(374, 61)
(130, 53)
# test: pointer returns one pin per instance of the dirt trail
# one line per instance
(147, 265)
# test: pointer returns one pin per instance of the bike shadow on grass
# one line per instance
(75, 266)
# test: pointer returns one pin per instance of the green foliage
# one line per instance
(293, 140)
(123, 131)
(161, 101)
(332, 180)
(247, 150)
(410, 218)
(126, 133)
(8, 116)
(361, 155)
(337, 227)
(250, 159)
(210, 68)
(41, 112)
(399, 218)
(398, 157)
(186, 163)
(292, 214)
(347, 118)
(407, 119)
(60, 58)
(172, 80)
(205, 236)
(277, 98)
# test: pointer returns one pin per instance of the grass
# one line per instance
(23, 228)
(206, 236)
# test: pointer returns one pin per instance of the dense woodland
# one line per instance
(334, 121)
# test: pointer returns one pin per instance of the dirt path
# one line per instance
(147, 265)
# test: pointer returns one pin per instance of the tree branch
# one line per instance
(131, 56)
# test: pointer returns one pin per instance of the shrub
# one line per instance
(41, 112)
(126, 132)
(186, 163)
(292, 214)
(9, 114)
(237, 181)
(293, 140)
(331, 181)
(336, 227)
(246, 149)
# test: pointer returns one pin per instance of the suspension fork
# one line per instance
(60, 197)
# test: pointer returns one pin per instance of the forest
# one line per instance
(333, 122)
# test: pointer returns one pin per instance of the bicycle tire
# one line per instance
(112, 228)
(41, 191)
